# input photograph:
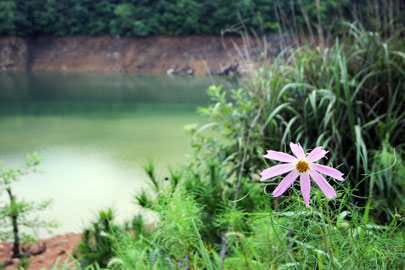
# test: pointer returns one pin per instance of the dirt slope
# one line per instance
(116, 54)
(159, 54)
(58, 247)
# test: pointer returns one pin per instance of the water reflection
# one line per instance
(45, 92)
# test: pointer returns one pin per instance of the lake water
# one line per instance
(94, 132)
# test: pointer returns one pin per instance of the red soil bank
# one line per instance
(57, 247)
(117, 54)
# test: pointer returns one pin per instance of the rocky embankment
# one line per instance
(162, 54)
(58, 248)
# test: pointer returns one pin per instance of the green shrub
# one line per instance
(193, 17)
(96, 245)
(348, 98)
(17, 215)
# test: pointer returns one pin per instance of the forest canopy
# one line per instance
(174, 17)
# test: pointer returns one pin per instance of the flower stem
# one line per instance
(326, 234)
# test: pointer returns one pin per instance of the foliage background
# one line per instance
(186, 17)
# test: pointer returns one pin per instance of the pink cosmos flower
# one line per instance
(302, 166)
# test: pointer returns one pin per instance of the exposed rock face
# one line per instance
(190, 55)
(13, 54)
(162, 54)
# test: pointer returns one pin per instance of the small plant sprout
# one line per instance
(301, 165)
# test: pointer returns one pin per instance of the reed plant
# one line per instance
(348, 98)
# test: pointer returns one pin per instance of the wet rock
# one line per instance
(116, 55)
(171, 70)
(183, 70)
(228, 70)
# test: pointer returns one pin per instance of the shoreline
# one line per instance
(157, 54)
(189, 55)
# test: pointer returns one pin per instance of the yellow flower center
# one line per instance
(302, 166)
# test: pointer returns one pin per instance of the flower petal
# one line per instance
(326, 188)
(316, 154)
(285, 183)
(276, 170)
(329, 171)
(305, 187)
(279, 156)
(297, 150)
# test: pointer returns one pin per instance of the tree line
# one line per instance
(173, 17)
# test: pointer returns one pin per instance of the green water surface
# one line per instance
(94, 133)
